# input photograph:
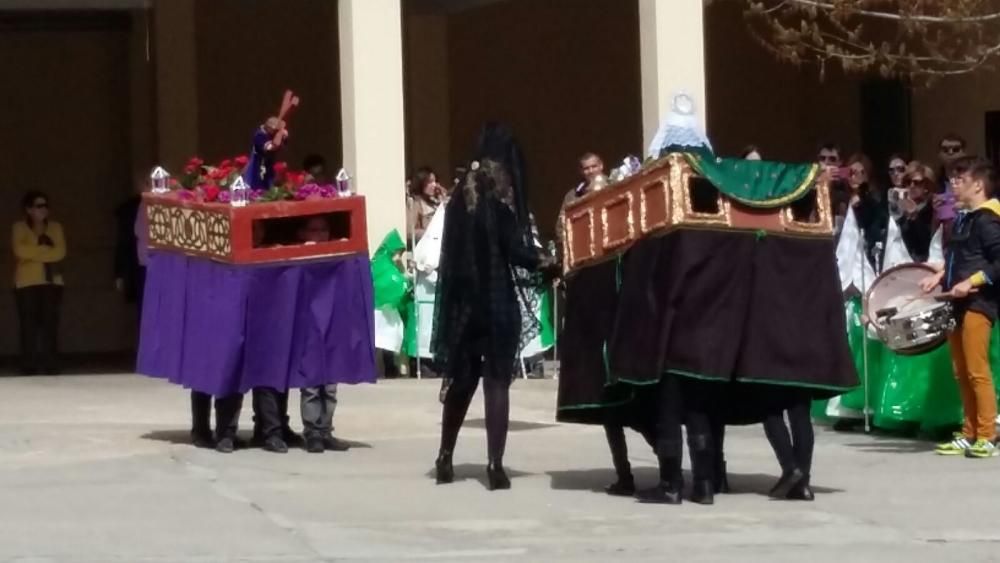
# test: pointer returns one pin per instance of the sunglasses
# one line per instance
(897, 169)
(951, 149)
(916, 182)
(828, 158)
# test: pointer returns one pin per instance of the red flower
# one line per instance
(241, 160)
(211, 192)
(195, 161)
(190, 168)
(226, 163)
(280, 168)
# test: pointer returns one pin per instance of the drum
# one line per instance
(907, 321)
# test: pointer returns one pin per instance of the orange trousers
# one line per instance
(970, 354)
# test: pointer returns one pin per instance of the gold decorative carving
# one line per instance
(645, 193)
(683, 210)
(823, 223)
(591, 243)
(193, 230)
(628, 199)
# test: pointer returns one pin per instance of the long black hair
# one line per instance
(497, 143)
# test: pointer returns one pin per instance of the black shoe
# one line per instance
(721, 480)
(444, 471)
(276, 445)
(496, 476)
(662, 493)
(225, 446)
(335, 445)
(788, 481)
(623, 487)
(202, 439)
(314, 445)
(291, 438)
(28, 371)
(802, 491)
(703, 492)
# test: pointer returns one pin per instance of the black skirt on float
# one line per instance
(758, 318)
(587, 392)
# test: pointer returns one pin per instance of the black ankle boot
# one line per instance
(275, 444)
(445, 472)
(202, 438)
(623, 487)
(721, 484)
(802, 491)
(662, 493)
(225, 445)
(703, 492)
(496, 476)
(788, 481)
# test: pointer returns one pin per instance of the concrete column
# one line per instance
(176, 82)
(371, 89)
(672, 53)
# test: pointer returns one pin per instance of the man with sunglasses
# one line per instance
(950, 149)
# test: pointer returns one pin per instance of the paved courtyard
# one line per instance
(97, 469)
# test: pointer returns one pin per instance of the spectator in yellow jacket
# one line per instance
(39, 249)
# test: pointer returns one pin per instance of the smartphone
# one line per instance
(944, 206)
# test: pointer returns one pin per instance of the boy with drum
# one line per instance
(970, 276)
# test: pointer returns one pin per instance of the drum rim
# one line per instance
(865, 309)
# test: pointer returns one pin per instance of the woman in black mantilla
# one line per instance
(477, 328)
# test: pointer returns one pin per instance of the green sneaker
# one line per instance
(982, 449)
(958, 446)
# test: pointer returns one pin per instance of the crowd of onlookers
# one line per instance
(916, 195)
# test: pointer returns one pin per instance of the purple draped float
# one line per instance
(223, 329)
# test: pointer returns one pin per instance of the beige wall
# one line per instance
(954, 105)
(428, 108)
(563, 73)
(248, 53)
(753, 98)
(72, 141)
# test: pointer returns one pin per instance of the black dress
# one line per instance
(477, 313)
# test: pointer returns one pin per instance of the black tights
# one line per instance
(456, 405)
(669, 445)
(793, 451)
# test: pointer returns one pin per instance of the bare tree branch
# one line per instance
(909, 38)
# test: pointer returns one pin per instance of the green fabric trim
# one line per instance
(638, 383)
(596, 405)
(762, 381)
(755, 183)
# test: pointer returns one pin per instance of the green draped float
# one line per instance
(905, 392)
